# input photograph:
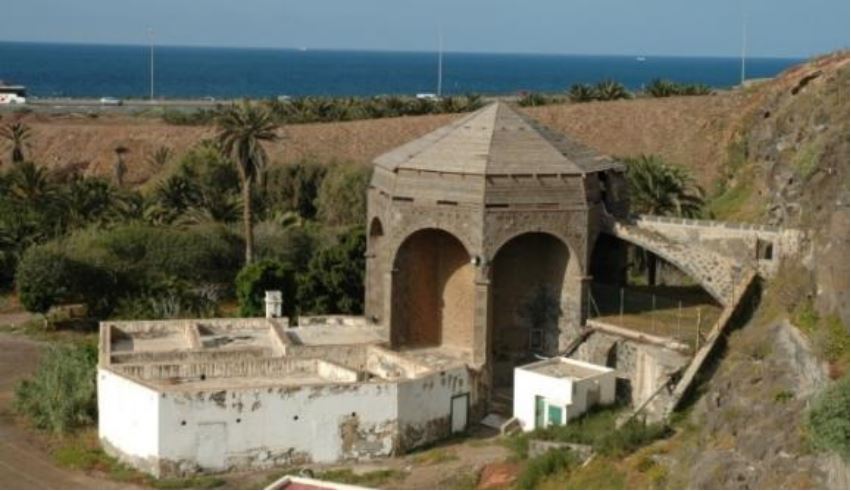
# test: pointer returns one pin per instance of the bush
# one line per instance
(666, 88)
(61, 396)
(333, 282)
(253, 281)
(540, 467)
(828, 418)
(341, 200)
(533, 99)
(293, 188)
(47, 276)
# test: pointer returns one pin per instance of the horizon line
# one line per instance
(412, 51)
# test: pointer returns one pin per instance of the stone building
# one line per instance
(483, 238)
(480, 235)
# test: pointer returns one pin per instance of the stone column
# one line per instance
(482, 321)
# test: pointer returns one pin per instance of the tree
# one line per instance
(242, 131)
(609, 90)
(342, 195)
(17, 137)
(120, 168)
(581, 93)
(333, 282)
(658, 188)
(255, 279)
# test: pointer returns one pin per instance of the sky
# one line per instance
(778, 28)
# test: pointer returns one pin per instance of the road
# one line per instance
(23, 463)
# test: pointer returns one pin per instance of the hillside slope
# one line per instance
(747, 427)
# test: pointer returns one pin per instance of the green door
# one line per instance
(555, 413)
(540, 411)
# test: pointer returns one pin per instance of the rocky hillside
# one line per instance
(788, 165)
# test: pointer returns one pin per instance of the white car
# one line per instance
(110, 101)
(12, 99)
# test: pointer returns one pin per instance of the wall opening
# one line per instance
(433, 294)
(527, 284)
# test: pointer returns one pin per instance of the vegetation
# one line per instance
(659, 188)
(533, 99)
(61, 396)
(581, 93)
(256, 278)
(16, 136)
(666, 88)
(538, 468)
(333, 281)
(367, 479)
(332, 109)
(243, 129)
(828, 418)
(341, 200)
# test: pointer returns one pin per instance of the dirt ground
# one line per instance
(24, 463)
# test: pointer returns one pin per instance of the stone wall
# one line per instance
(749, 244)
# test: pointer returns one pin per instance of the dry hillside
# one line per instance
(692, 131)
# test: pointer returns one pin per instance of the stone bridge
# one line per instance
(717, 274)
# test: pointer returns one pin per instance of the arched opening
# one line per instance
(374, 274)
(633, 288)
(527, 289)
(433, 292)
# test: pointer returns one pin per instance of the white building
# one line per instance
(177, 397)
(554, 391)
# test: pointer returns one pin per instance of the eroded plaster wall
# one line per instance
(280, 426)
(424, 405)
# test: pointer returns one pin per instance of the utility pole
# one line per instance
(744, 38)
(151, 43)
(439, 62)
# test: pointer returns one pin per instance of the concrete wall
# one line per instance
(280, 426)
(128, 420)
(424, 405)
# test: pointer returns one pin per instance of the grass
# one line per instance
(368, 479)
(830, 337)
(81, 451)
(434, 456)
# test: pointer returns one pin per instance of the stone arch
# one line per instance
(374, 270)
(432, 292)
(528, 293)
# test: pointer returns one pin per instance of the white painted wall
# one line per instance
(568, 393)
(428, 398)
(267, 426)
(128, 415)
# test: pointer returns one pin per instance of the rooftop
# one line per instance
(567, 368)
(496, 140)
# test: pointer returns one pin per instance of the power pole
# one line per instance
(744, 39)
(151, 42)
(439, 62)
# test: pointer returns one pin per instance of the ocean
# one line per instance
(75, 70)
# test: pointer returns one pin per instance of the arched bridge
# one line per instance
(719, 275)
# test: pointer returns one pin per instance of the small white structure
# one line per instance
(554, 391)
(274, 304)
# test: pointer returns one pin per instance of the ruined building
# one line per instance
(483, 237)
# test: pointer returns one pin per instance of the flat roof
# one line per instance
(566, 368)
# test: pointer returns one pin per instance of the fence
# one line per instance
(682, 313)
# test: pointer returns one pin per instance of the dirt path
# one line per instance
(24, 464)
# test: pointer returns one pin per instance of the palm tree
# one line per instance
(17, 136)
(120, 168)
(159, 157)
(581, 93)
(658, 188)
(609, 90)
(243, 129)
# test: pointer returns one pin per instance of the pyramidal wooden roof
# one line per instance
(496, 140)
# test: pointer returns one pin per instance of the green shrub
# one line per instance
(666, 88)
(341, 200)
(293, 188)
(292, 245)
(828, 418)
(545, 465)
(533, 99)
(253, 281)
(48, 276)
(61, 396)
(333, 282)
(630, 437)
